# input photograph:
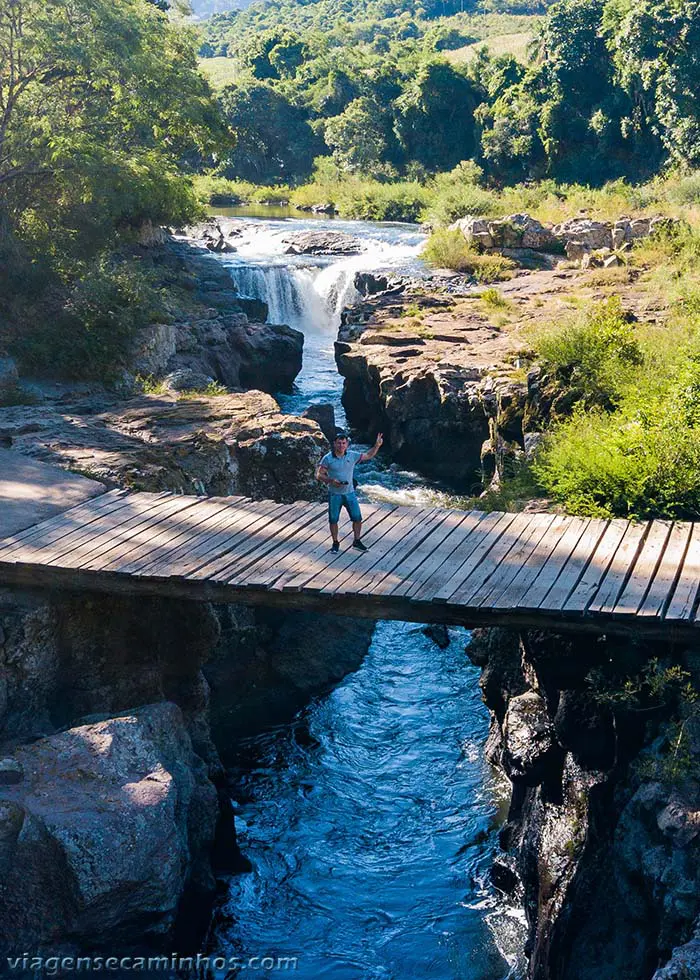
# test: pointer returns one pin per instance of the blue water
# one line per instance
(370, 819)
(369, 822)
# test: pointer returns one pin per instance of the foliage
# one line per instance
(101, 108)
(91, 335)
(449, 250)
(592, 353)
(273, 139)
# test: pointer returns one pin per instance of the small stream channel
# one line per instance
(369, 819)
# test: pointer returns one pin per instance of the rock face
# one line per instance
(269, 664)
(211, 329)
(224, 347)
(9, 378)
(235, 443)
(600, 846)
(576, 236)
(435, 391)
(323, 243)
(111, 824)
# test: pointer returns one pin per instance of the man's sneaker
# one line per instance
(357, 543)
(335, 547)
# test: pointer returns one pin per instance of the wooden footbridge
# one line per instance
(423, 565)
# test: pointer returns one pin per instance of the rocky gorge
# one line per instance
(117, 717)
(115, 713)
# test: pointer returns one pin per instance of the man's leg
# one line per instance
(334, 502)
(353, 508)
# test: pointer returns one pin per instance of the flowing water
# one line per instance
(369, 820)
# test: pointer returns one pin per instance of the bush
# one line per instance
(91, 336)
(449, 250)
(592, 353)
(368, 200)
(622, 465)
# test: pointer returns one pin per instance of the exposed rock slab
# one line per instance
(31, 491)
(234, 443)
(111, 823)
(325, 242)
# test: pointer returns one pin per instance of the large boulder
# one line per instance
(591, 234)
(203, 444)
(530, 745)
(513, 231)
(323, 243)
(224, 346)
(110, 826)
(276, 457)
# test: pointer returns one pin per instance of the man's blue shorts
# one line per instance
(348, 501)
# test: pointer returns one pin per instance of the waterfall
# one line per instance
(307, 298)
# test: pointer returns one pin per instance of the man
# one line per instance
(336, 471)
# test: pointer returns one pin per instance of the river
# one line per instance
(369, 819)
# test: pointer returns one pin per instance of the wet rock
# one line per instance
(255, 309)
(9, 377)
(323, 243)
(530, 748)
(324, 414)
(368, 283)
(439, 634)
(11, 772)
(684, 963)
(110, 827)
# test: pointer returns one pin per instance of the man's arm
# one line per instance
(371, 453)
(323, 477)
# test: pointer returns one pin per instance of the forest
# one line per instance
(384, 110)
(606, 89)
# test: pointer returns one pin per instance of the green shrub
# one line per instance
(622, 465)
(91, 336)
(592, 353)
(447, 249)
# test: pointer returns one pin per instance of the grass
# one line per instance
(445, 197)
(493, 299)
(449, 250)
(516, 44)
(219, 72)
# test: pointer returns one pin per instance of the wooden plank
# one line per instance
(246, 542)
(614, 582)
(316, 555)
(668, 572)
(596, 569)
(461, 566)
(424, 542)
(476, 585)
(405, 537)
(511, 593)
(685, 594)
(531, 597)
(318, 567)
(52, 530)
(384, 538)
(281, 559)
(259, 562)
(219, 511)
(644, 569)
(120, 539)
(223, 541)
(95, 530)
(576, 565)
(448, 554)
(165, 540)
